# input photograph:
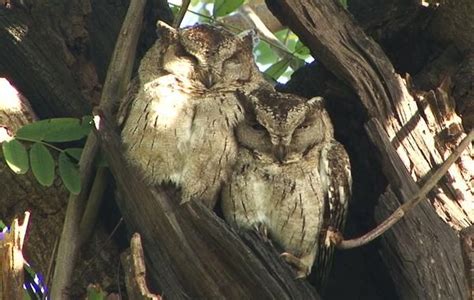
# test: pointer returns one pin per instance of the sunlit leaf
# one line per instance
(296, 63)
(54, 130)
(16, 156)
(42, 164)
(282, 34)
(278, 68)
(265, 55)
(175, 9)
(69, 173)
(301, 49)
(225, 7)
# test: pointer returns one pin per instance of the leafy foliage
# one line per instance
(31, 146)
(225, 7)
(16, 156)
(282, 63)
(54, 130)
(94, 292)
(69, 173)
(42, 164)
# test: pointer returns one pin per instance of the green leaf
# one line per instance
(344, 3)
(278, 68)
(42, 164)
(175, 9)
(265, 55)
(87, 124)
(16, 156)
(54, 130)
(296, 63)
(225, 7)
(26, 295)
(69, 173)
(301, 49)
(74, 153)
(94, 292)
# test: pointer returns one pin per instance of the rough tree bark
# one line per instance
(43, 60)
(421, 252)
(189, 251)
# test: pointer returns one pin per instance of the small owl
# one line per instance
(182, 108)
(292, 180)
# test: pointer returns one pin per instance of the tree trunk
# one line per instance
(410, 135)
(190, 252)
(47, 58)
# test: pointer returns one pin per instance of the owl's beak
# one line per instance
(208, 80)
(280, 151)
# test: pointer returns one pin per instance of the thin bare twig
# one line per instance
(182, 11)
(414, 200)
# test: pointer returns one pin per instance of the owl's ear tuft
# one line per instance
(247, 101)
(165, 31)
(315, 103)
(249, 37)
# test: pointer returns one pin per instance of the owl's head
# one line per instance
(209, 54)
(282, 125)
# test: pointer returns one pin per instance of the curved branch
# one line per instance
(414, 200)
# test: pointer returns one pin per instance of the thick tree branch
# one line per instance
(191, 252)
(343, 48)
(414, 200)
(119, 74)
(29, 61)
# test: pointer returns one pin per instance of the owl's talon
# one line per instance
(333, 237)
(302, 270)
(262, 232)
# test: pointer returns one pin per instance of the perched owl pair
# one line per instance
(201, 116)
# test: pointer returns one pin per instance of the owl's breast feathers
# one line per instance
(179, 132)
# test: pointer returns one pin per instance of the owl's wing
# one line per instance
(335, 171)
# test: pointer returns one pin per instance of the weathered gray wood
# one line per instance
(12, 261)
(116, 83)
(133, 262)
(29, 59)
(192, 253)
(467, 247)
(422, 246)
(344, 49)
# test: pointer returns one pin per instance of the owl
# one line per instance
(292, 179)
(179, 115)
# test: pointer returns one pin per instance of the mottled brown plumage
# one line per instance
(291, 177)
(181, 110)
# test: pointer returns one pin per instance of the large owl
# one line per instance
(292, 180)
(182, 109)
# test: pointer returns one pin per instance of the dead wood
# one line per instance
(11, 260)
(191, 252)
(343, 48)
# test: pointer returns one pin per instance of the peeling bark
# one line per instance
(343, 48)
